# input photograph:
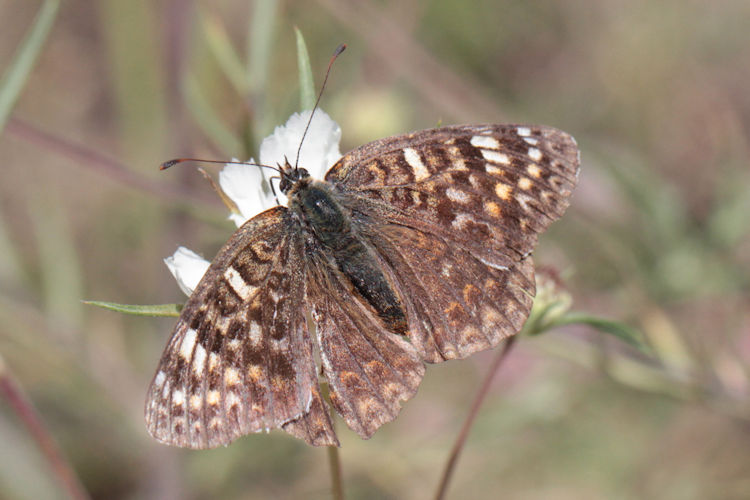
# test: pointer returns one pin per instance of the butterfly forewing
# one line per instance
(240, 358)
(489, 187)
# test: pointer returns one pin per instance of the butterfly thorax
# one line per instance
(334, 234)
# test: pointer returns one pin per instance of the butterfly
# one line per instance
(413, 249)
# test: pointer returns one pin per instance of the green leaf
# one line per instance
(17, 73)
(260, 43)
(171, 310)
(624, 332)
(60, 268)
(306, 83)
(208, 120)
(544, 315)
(225, 54)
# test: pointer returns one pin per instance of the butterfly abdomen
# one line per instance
(331, 224)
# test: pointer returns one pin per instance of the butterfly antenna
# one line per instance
(336, 53)
(172, 163)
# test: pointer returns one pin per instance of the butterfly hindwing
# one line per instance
(456, 304)
(240, 358)
(369, 369)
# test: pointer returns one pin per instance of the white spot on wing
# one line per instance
(484, 141)
(461, 220)
(199, 359)
(457, 196)
(255, 334)
(195, 402)
(523, 131)
(178, 398)
(524, 183)
(188, 342)
(459, 164)
(213, 360)
(213, 398)
(493, 169)
(233, 400)
(231, 377)
(534, 170)
(523, 200)
(446, 271)
(535, 154)
(240, 287)
(159, 379)
(495, 156)
(415, 162)
(281, 344)
(531, 140)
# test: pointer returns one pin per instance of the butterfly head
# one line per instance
(291, 177)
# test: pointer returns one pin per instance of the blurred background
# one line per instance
(657, 236)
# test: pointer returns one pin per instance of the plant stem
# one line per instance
(478, 400)
(335, 464)
(13, 394)
(103, 165)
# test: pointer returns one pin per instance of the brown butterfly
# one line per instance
(414, 248)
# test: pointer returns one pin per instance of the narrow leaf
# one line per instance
(259, 50)
(260, 43)
(225, 54)
(622, 331)
(59, 263)
(306, 83)
(170, 310)
(17, 73)
(207, 119)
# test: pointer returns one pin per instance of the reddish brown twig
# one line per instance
(66, 476)
(100, 163)
(478, 400)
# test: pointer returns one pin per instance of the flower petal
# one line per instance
(187, 267)
(319, 151)
(244, 185)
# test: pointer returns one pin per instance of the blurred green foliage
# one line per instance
(658, 234)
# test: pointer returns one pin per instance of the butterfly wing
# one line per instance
(488, 188)
(458, 212)
(369, 369)
(456, 305)
(240, 358)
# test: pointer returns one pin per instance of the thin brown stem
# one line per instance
(334, 462)
(100, 163)
(478, 400)
(13, 394)
(337, 487)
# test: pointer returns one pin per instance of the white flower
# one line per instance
(244, 184)
(187, 267)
